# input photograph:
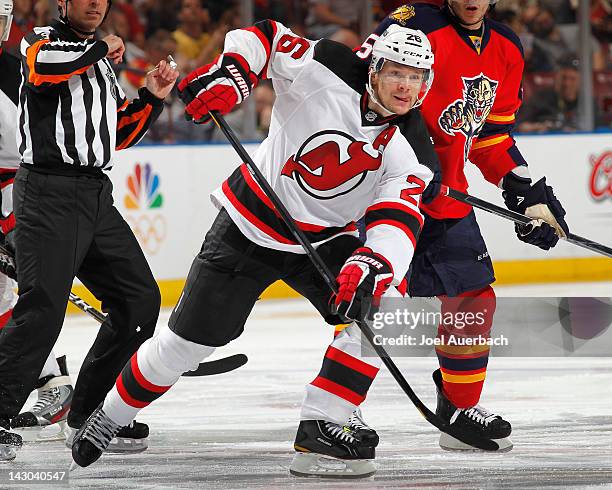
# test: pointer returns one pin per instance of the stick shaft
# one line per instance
(522, 219)
(331, 282)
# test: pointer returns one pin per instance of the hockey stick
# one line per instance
(521, 219)
(204, 369)
(315, 258)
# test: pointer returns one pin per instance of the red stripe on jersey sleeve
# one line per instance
(396, 224)
(398, 206)
(251, 218)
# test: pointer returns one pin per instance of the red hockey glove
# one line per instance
(218, 86)
(363, 279)
(539, 202)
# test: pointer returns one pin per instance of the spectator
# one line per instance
(554, 109)
(558, 42)
(334, 19)
(271, 9)
(136, 29)
(601, 21)
(264, 100)
(562, 10)
(195, 47)
(159, 14)
(117, 22)
(23, 22)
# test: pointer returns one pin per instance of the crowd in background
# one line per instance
(192, 31)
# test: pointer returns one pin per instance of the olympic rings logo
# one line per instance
(149, 230)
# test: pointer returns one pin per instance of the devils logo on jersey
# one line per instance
(469, 114)
(332, 163)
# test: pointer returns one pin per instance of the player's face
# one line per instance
(87, 15)
(469, 12)
(397, 86)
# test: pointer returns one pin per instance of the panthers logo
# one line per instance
(403, 14)
(469, 114)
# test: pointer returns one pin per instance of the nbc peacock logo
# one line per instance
(144, 201)
(143, 189)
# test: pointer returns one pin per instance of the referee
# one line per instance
(73, 116)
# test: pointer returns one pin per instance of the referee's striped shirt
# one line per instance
(73, 114)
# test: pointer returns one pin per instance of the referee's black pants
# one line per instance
(67, 226)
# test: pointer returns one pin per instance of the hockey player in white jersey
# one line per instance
(337, 150)
(46, 420)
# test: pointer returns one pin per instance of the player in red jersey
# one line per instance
(470, 113)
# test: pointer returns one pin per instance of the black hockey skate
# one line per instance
(362, 431)
(330, 450)
(46, 420)
(10, 442)
(470, 420)
(93, 438)
(132, 438)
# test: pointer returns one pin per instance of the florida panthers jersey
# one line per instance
(9, 98)
(470, 109)
(328, 157)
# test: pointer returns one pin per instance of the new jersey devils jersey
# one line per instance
(470, 109)
(9, 98)
(328, 157)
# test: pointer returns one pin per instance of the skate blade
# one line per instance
(449, 443)
(318, 465)
(8, 452)
(126, 445)
(47, 433)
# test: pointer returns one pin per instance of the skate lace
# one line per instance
(100, 430)
(45, 399)
(356, 421)
(480, 415)
(339, 432)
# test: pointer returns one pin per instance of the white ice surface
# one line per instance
(236, 430)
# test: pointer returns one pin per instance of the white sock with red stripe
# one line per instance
(157, 365)
(328, 397)
(8, 299)
(51, 367)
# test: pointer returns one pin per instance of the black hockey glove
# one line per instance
(536, 201)
(363, 279)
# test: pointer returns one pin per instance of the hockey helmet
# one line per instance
(405, 46)
(6, 18)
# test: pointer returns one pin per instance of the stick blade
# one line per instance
(219, 366)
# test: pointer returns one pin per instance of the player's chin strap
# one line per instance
(66, 20)
(385, 112)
